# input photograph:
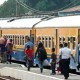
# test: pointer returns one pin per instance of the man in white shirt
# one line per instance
(65, 60)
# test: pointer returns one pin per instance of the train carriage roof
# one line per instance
(68, 21)
(2, 22)
(19, 23)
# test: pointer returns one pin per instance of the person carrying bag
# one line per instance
(42, 55)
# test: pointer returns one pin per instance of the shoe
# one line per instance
(41, 70)
(66, 78)
(28, 69)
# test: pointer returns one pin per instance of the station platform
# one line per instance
(19, 71)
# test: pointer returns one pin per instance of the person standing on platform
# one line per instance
(9, 50)
(53, 62)
(28, 42)
(29, 54)
(2, 50)
(65, 55)
(42, 55)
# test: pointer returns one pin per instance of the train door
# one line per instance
(33, 36)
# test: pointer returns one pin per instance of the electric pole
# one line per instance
(17, 9)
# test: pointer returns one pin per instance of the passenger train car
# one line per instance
(17, 29)
(52, 32)
(56, 30)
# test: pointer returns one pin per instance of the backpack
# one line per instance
(42, 55)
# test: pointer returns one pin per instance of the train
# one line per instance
(51, 30)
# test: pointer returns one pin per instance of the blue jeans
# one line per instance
(40, 63)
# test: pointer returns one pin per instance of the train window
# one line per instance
(59, 38)
(52, 42)
(46, 42)
(13, 39)
(9, 37)
(69, 42)
(49, 42)
(42, 38)
(43, 41)
(68, 39)
(63, 39)
(74, 39)
(20, 40)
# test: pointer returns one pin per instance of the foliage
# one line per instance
(8, 9)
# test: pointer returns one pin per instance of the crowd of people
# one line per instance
(6, 50)
(64, 57)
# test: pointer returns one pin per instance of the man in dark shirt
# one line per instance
(53, 62)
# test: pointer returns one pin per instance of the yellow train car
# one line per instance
(52, 32)
(17, 29)
(57, 30)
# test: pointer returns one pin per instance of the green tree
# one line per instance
(8, 9)
(45, 5)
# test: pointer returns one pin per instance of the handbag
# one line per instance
(45, 62)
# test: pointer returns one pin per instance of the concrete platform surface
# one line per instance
(20, 72)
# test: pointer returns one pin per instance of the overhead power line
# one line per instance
(46, 12)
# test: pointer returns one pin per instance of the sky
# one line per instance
(2, 1)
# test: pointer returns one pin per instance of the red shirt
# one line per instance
(29, 53)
